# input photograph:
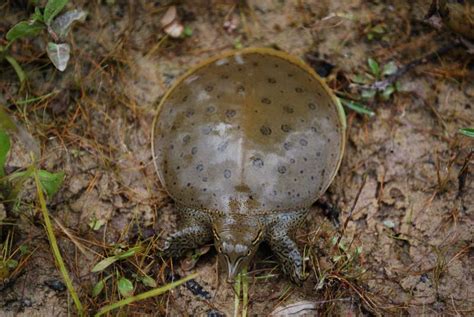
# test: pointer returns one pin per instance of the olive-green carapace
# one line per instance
(245, 143)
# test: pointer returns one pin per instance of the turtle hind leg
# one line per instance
(284, 247)
(194, 233)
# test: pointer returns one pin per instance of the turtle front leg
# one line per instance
(195, 232)
(284, 247)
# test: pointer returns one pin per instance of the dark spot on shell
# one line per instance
(210, 109)
(204, 189)
(255, 64)
(186, 139)
(285, 128)
(222, 146)
(178, 167)
(204, 179)
(227, 173)
(266, 101)
(318, 154)
(271, 80)
(239, 69)
(189, 113)
(314, 130)
(276, 65)
(188, 184)
(303, 142)
(265, 130)
(209, 88)
(290, 75)
(184, 98)
(281, 169)
(288, 109)
(299, 89)
(171, 146)
(312, 178)
(292, 161)
(298, 195)
(257, 162)
(312, 106)
(323, 172)
(240, 88)
(287, 146)
(199, 167)
(305, 159)
(230, 113)
(289, 193)
(301, 172)
(224, 76)
(194, 150)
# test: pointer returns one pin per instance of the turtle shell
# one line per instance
(253, 131)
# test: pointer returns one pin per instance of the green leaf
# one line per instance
(50, 182)
(95, 224)
(102, 265)
(357, 107)
(4, 148)
(467, 132)
(187, 31)
(52, 9)
(58, 54)
(374, 66)
(368, 94)
(148, 281)
(389, 68)
(20, 73)
(12, 264)
(125, 287)
(388, 92)
(379, 29)
(37, 16)
(97, 289)
(24, 249)
(360, 79)
(23, 29)
(128, 253)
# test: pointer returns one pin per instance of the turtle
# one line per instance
(245, 143)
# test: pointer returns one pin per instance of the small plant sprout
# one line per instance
(372, 83)
(58, 28)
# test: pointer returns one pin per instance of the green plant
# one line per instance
(371, 81)
(11, 184)
(57, 27)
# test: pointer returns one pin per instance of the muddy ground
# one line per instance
(414, 219)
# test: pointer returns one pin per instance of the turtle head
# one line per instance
(237, 240)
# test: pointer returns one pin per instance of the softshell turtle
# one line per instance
(245, 143)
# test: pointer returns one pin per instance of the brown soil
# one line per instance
(414, 217)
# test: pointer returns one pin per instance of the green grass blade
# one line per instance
(4, 148)
(18, 70)
(54, 244)
(142, 296)
(357, 107)
(467, 132)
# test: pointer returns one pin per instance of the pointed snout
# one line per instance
(232, 270)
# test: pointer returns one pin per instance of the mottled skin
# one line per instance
(245, 144)
(238, 236)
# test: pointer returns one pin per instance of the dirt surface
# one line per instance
(413, 221)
